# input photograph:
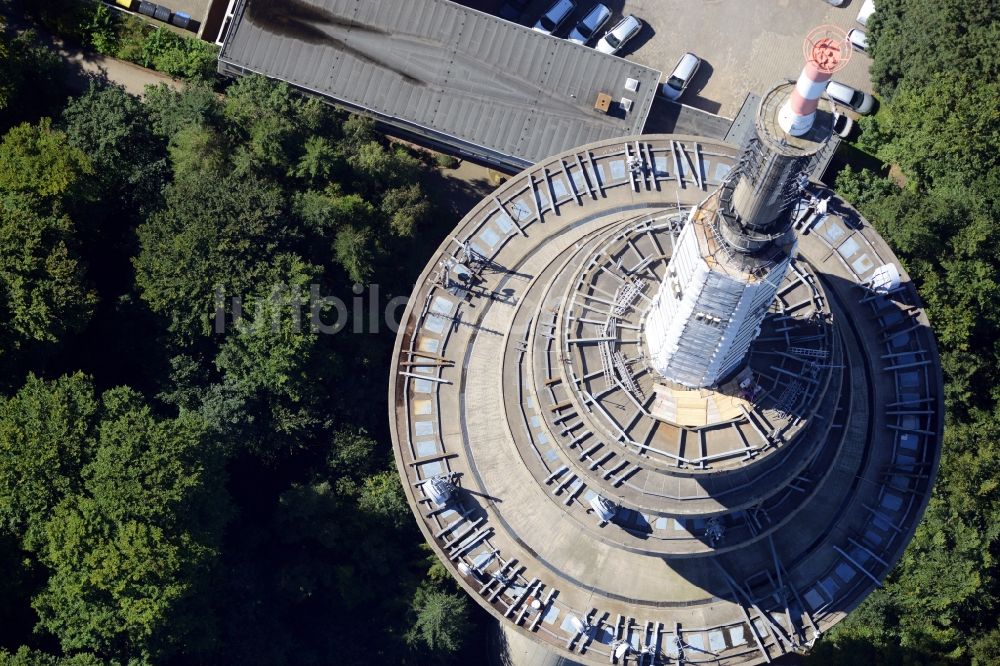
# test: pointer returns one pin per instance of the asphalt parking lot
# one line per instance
(745, 45)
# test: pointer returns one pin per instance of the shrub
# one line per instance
(446, 161)
(102, 30)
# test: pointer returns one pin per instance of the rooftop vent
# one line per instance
(603, 103)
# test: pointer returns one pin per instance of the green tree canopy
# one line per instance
(170, 110)
(128, 553)
(43, 288)
(46, 438)
(220, 232)
(129, 161)
(197, 152)
(37, 159)
(116, 530)
(917, 40)
(323, 213)
(382, 496)
(271, 363)
(440, 620)
(263, 115)
(944, 130)
(355, 249)
(29, 77)
(405, 207)
(28, 657)
(936, 67)
(320, 160)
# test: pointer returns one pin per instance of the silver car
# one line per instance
(681, 76)
(590, 24)
(616, 38)
(842, 125)
(550, 21)
(859, 101)
(866, 11)
(858, 39)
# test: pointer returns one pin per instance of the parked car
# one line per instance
(861, 102)
(590, 24)
(550, 21)
(836, 3)
(842, 125)
(617, 37)
(681, 76)
(858, 39)
(866, 11)
(513, 10)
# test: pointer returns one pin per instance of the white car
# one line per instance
(861, 102)
(681, 76)
(842, 125)
(552, 19)
(866, 11)
(858, 39)
(590, 24)
(616, 38)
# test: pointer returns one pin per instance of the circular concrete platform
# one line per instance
(608, 514)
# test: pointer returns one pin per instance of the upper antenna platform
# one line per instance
(827, 47)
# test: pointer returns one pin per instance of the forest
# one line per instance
(171, 494)
(936, 70)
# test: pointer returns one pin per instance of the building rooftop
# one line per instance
(485, 87)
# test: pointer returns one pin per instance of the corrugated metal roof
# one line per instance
(464, 77)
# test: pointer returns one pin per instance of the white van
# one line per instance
(867, 9)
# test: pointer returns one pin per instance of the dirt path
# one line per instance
(84, 67)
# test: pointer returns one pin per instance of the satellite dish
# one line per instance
(885, 279)
(603, 507)
(439, 490)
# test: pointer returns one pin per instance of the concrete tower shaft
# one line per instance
(710, 306)
(738, 243)
(792, 124)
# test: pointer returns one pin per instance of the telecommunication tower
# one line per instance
(737, 246)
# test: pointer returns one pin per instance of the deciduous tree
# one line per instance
(38, 159)
(43, 289)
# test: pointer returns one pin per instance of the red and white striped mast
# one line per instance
(826, 50)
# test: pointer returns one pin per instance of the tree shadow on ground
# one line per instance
(855, 651)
